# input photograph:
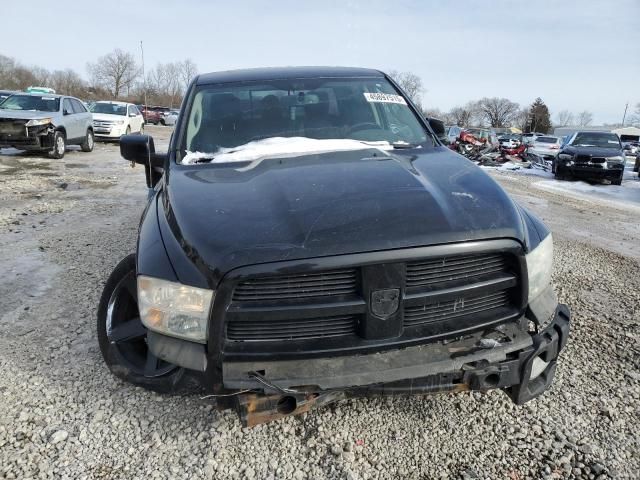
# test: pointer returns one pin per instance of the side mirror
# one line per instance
(133, 114)
(66, 112)
(438, 128)
(141, 149)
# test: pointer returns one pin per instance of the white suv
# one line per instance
(114, 119)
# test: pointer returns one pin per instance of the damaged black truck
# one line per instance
(45, 123)
(309, 239)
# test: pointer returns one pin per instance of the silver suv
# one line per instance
(43, 122)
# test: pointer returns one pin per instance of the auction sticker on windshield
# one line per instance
(384, 98)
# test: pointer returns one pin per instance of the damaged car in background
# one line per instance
(45, 123)
(308, 239)
(592, 156)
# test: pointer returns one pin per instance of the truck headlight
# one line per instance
(565, 156)
(119, 122)
(617, 158)
(174, 309)
(540, 266)
(38, 121)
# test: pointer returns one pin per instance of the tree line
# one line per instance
(494, 112)
(116, 75)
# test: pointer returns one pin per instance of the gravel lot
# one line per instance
(65, 224)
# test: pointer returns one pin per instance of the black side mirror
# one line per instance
(438, 128)
(141, 149)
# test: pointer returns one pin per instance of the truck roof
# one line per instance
(273, 73)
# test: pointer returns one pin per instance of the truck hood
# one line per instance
(25, 114)
(229, 215)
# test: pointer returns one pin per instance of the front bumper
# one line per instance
(31, 138)
(108, 132)
(591, 169)
(508, 357)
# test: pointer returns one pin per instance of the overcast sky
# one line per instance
(576, 55)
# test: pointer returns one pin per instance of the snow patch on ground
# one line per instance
(625, 196)
(520, 169)
(280, 147)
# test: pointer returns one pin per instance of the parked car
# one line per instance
(545, 146)
(112, 120)
(631, 149)
(307, 240)
(149, 114)
(453, 132)
(5, 93)
(591, 155)
(170, 117)
(510, 141)
(48, 123)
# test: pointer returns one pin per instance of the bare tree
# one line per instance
(187, 70)
(585, 118)
(411, 84)
(499, 112)
(521, 119)
(68, 82)
(115, 71)
(564, 118)
(465, 115)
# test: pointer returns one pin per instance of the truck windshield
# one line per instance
(110, 108)
(31, 102)
(364, 109)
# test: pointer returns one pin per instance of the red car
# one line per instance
(152, 114)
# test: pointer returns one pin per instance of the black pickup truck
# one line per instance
(308, 238)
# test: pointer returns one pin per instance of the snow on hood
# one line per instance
(258, 150)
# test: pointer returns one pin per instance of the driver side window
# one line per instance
(67, 108)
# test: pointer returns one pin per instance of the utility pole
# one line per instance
(625, 113)
(144, 77)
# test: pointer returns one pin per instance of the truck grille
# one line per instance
(451, 309)
(292, 329)
(324, 284)
(417, 296)
(446, 269)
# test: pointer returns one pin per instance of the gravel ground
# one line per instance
(62, 415)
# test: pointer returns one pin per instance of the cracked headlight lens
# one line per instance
(174, 309)
(540, 266)
(38, 121)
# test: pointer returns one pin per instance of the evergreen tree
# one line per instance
(539, 118)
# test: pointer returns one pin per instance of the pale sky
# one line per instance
(575, 55)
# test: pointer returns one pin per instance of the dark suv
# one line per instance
(591, 155)
(308, 238)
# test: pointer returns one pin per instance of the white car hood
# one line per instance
(108, 117)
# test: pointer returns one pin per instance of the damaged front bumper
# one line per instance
(523, 365)
(17, 135)
(511, 357)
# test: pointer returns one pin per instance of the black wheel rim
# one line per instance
(127, 334)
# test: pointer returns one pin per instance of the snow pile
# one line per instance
(280, 147)
(522, 168)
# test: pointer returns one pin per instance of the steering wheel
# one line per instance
(364, 126)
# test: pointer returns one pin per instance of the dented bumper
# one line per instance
(14, 133)
(522, 364)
